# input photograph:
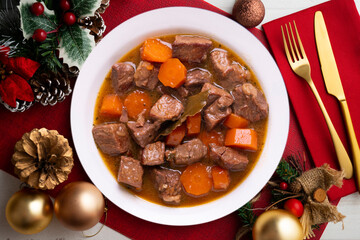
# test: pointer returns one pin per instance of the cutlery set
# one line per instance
(299, 63)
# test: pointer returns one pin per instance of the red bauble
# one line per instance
(69, 18)
(37, 9)
(65, 5)
(283, 186)
(294, 206)
(39, 35)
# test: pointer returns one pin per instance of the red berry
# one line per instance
(69, 18)
(294, 206)
(284, 186)
(65, 5)
(39, 35)
(37, 9)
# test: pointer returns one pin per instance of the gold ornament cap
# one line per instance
(277, 224)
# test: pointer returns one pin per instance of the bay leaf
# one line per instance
(195, 104)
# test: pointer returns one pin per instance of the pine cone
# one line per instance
(104, 4)
(43, 158)
(21, 105)
(50, 88)
(95, 23)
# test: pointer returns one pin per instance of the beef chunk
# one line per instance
(196, 78)
(122, 77)
(179, 93)
(130, 172)
(183, 92)
(112, 139)
(187, 153)
(146, 75)
(191, 48)
(168, 185)
(166, 108)
(229, 74)
(124, 118)
(250, 103)
(153, 154)
(214, 93)
(143, 135)
(217, 112)
(228, 158)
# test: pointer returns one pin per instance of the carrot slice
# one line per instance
(193, 124)
(153, 50)
(221, 178)
(172, 73)
(211, 137)
(176, 136)
(111, 106)
(196, 179)
(236, 121)
(136, 102)
(244, 138)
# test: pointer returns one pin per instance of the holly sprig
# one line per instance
(71, 43)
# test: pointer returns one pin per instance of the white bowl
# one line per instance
(166, 21)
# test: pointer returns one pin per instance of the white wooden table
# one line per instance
(349, 206)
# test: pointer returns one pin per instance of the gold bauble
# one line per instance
(277, 224)
(29, 211)
(79, 206)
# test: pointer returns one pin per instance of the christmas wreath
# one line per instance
(43, 44)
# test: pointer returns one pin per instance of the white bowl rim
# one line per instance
(180, 20)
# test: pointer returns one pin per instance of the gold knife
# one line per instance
(334, 86)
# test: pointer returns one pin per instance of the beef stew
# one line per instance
(220, 82)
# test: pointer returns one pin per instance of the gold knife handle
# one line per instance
(342, 156)
(353, 142)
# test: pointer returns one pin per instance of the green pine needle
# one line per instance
(286, 172)
(247, 215)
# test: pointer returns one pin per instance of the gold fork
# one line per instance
(300, 65)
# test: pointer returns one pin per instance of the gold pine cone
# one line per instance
(43, 158)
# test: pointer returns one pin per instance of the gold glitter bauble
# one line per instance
(248, 13)
(277, 224)
(79, 206)
(29, 211)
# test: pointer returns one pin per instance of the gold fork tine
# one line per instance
(293, 55)
(287, 53)
(299, 41)
(294, 41)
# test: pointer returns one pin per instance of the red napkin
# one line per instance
(343, 24)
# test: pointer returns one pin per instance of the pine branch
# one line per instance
(10, 32)
(247, 215)
(287, 172)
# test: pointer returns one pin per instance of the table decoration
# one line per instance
(248, 13)
(79, 205)
(270, 225)
(57, 35)
(29, 211)
(43, 158)
(305, 197)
